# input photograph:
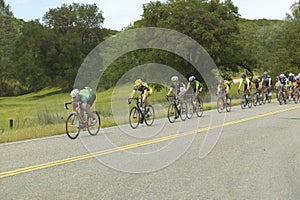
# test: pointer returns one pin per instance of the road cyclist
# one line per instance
(179, 90)
(266, 87)
(257, 95)
(224, 101)
(246, 96)
(146, 91)
(195, 103)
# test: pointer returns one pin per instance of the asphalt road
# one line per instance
(245, 154)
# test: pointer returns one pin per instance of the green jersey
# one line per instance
(85, 94)
(194, 85)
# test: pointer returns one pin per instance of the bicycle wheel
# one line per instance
(149, 115)
(134, 117)
(255, 99)
(199, 108)
(172, 113)
(260, 101)
(183, 111)
(243, 102)
(220, 105)
(72, 126)
(93, 130)
(269, 97)
(280, 98)
(190, 110)
(228, 104)
(249, 101)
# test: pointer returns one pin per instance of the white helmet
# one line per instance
(192, 78)
(255, 78)
(74, 93)
(174, 78)
(281, 76)
(291, 74)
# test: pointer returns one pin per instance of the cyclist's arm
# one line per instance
(197, 87)
(133, 93)
(171, 89)
(188, 86)
(241, 82)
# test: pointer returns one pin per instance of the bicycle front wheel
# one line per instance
(72, 126)
(220, 104)
(183, 112)
(172, 113)
(149, 115)
(93, 130)
(243, 102)
(190, 110)
(134, 117)
(228, 104)
(199, 108)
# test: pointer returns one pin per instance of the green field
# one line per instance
(42, 114)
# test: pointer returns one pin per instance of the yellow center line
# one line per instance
(134, 145)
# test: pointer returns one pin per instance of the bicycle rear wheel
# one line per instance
(172, 113)
(149, 115)
(72, 126)
(134, 117)
(93, 130)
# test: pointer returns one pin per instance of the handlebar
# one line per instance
(167, 97)
(66, 105)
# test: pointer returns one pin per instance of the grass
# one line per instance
(42, 114)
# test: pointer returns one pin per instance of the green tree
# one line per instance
(9, 32)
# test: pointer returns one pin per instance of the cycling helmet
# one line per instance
(291, 74)
(74, 93)
(265, 73)
(243, 75)
(174, 78)
(281, 76)
(255, 78)
(192, 78)
(138, 82)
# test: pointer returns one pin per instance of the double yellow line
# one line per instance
(135, 145)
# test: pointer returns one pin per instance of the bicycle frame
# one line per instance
(77, 112)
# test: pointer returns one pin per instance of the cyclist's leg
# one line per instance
(89, 105)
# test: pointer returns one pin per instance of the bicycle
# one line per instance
(257, 97)
(246, 99)
(194, 106)
(140, 114)
(281, 95)
(75, 122)
(297, 94)
(223, 102)
(175, 111)
(267, 96)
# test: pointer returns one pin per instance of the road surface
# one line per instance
(245, 154)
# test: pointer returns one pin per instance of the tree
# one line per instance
(9, 32)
